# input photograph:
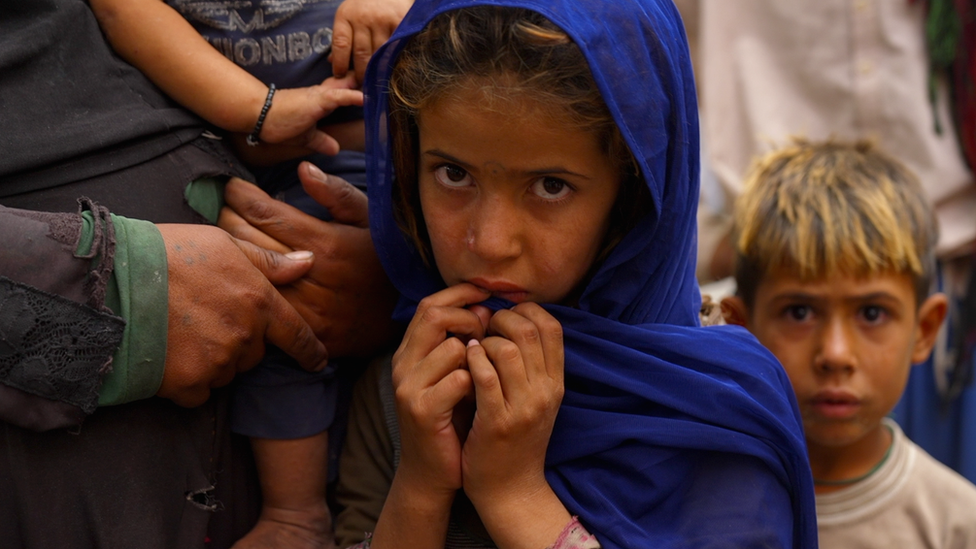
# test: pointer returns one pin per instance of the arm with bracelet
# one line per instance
(157, 40)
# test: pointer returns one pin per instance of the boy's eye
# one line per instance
(452, 176)
(550, 188)
(799, 313)
(873, 314)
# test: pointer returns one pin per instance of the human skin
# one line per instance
(516, 204)
(847, 344)
(360, 28)
(223, 308)
(345, 296)
(158, 41)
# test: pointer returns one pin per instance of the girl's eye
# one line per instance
(799, 313)
(452, 176)
(873, 314)
(550, 188)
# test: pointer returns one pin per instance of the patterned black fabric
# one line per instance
(54, 347)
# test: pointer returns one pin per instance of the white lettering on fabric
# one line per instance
(272, 50)
(299, 46)
(247, 52)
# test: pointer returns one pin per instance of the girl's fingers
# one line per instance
(417, 375)
(550, 335)
(447, 393)
(443, 313)
(524, 333)
(508, 363)
(487, 385)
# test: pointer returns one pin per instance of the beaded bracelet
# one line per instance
(252, 139)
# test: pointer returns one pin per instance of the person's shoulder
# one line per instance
(941, 482)
(944, 495)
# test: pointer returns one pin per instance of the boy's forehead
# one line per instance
(785, 281)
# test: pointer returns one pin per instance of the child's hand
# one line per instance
(291, 126)
(518, 378)
(360, 28)
(430, 379)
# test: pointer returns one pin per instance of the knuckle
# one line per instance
(428, 312)
(527, 332)
(454, 347)
(508, 351)
(341, 40)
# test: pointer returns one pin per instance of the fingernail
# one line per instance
(300, 255)
(315, 172)
(473, 342)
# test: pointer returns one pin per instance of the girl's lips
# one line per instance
(835, 404)
(502, 289)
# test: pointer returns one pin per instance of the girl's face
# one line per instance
(516, 203)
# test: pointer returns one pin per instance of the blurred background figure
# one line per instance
(899, 72)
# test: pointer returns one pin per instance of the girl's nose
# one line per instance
(836, 349)
(495, 231)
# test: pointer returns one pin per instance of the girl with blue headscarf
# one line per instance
(533, 185)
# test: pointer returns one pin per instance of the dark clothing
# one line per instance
(79, 121)
(70, 109)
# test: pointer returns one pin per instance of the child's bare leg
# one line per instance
(293, 475)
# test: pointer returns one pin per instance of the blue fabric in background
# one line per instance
(670, 434)
(947, 431)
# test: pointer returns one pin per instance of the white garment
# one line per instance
(772, 69)
(911, 501)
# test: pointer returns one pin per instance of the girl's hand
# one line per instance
(430, 378)
(518, 378)
(290, 127)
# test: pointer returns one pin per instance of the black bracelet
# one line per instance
(252, 139)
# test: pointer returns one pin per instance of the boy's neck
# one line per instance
(837, 467)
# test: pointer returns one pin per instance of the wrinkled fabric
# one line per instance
(670, 434)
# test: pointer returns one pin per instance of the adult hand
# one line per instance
(518, 377)
(360, 28)
(430, 378)
(222, 308)
(290, 128)
(346, 296)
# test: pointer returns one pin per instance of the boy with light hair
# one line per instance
(835, 259)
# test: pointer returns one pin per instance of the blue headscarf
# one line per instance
(670, 434)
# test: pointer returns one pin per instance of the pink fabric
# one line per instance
(574, 536)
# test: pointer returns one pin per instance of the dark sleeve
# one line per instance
(57, 339)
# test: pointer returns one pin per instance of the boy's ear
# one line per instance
(734, 310)
(930, 317)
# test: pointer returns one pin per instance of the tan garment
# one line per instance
(911, 501)
(771, 69)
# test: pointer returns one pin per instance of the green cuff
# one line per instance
(138, 292)
(206, 196)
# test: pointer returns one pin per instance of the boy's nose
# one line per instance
(836, 351)
(495, 230)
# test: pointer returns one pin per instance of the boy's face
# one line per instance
(516, 203)
(846, 342)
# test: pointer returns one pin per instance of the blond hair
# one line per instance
(820, 209)
(506, 54)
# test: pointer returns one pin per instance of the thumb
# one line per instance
(277, 267)
(346, 203)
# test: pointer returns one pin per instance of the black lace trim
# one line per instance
(102, 253)
(53, 347)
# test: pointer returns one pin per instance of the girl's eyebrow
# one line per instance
(443, 155)
(555, 170)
